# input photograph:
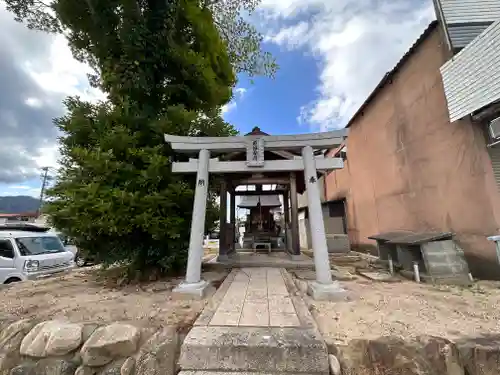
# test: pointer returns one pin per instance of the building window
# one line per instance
(337, 209)
(343, 155)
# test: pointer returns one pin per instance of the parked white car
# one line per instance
(66, 241)
(30, 255)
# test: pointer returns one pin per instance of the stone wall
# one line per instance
(55, 347)
(62, 348)
(426, 355)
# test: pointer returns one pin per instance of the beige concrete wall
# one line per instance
(302, 198)
(409, 168)
(333, 226)
(303, 232)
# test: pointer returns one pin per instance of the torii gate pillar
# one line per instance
(193, 284)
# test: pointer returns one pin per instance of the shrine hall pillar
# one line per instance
(294, 203)
(193, 283)
(286, 208)
(232, 219)
(223, 250)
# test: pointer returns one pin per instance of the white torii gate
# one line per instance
(254, 145)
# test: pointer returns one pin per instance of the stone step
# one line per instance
(253, 349)
(203, 372)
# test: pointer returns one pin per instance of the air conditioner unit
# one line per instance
(495, 128)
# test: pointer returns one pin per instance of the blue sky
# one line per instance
(274, 104)
(331, 54)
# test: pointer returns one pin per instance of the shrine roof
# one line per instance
(263, 200)
(256, 131)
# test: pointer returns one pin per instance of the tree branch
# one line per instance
(41, 3)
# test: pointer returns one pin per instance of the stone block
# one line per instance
(338, 243)
(480, 355)
(46, 366)
(128, 366)
(10, 341)
(381, 276)
(284, 320)
(254, 349)
(109, 342)
(327, 292)
(158, 355)
(84, 370)
(334, 363)
(203, 372)
(193, 290)
(52, 338)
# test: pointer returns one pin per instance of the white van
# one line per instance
(29, 255)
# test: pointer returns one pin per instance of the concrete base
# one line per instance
(192, 290)
(222, 258)
(254, 349)
(275, 259)
(295, 257)
(327, 292)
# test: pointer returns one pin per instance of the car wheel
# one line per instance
(80, 261)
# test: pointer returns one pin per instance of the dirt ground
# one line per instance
(408, 309)
(81, 296)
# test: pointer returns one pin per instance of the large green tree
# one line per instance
(230, 18)
(165, 69)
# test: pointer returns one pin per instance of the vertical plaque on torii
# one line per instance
(255, 153)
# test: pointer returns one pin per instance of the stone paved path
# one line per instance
(255, 323)
(257, 297)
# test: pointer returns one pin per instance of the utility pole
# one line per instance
(42, 191)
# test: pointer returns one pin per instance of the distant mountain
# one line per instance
(18, 204)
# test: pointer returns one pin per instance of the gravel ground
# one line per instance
(80, 296)
(407, 309)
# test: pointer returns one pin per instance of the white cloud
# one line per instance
(226, 108)
(48, 156)
(39, 72)
(33, 102)
(238, 94)
(355, 42)
(19, 187)
(63, 74)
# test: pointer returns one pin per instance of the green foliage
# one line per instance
(36, 14)
(242, 39)
(169, 51)
(165, 70)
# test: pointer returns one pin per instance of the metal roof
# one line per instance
(388, 236)
(403, 237)
(420, 238)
